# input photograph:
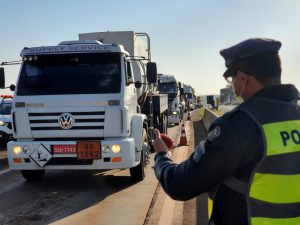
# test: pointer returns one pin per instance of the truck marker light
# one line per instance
(105, 148)
(116, 159)
(113, 102)
(20, 104)
(26, 149)
(17, 150)
(115, 148)
(17, 160)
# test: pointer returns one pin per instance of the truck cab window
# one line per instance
(129, 72)
(58, 74)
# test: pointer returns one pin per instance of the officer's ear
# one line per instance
(243, 76)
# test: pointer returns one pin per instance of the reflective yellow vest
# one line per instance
(273, 192)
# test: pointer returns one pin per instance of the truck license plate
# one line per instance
(64, 149)
(88, 150)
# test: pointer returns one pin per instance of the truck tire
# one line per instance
(33, 175)
(163, 124)
(138, 172)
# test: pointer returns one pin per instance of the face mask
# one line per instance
(241, 92)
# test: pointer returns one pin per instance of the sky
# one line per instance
(186, 36)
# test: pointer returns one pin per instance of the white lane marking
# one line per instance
(4, 171)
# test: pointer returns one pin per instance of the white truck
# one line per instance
(5, 119)
(189, 95)
(86, 105)
(168, 85)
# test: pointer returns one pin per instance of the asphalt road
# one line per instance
(77, 197)
(100, 197)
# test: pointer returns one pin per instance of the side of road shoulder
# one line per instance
(3, 159)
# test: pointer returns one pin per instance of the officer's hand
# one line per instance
(162, 142)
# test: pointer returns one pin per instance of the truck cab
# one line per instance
(189, 95)
(169, 85)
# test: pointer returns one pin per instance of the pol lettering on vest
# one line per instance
(286, 136)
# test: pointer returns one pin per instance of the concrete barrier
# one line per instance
(208, 118)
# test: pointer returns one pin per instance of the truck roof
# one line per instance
(163, 78)
(74, 47)
(188, 89)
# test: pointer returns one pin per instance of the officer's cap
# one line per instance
(245, 49)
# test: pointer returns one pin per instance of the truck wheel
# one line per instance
(163, 125)
(165, 122)
(138, 172)
(33, 175)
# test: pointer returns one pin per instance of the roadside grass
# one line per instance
(218, 112)
(201, 112)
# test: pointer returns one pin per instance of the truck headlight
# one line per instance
(115, 148)
(2, 123)
(174, 113)
(17, 149)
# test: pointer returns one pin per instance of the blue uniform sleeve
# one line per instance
(214, 159)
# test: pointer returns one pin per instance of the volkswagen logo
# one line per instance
(66, 121)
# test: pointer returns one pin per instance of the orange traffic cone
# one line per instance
(189, 116)
(183, 140)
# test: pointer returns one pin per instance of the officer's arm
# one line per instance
(214, 160)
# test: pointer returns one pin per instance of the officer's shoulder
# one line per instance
(234, 117)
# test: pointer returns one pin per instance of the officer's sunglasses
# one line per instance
(230, 80)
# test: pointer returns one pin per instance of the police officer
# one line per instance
(251, 154)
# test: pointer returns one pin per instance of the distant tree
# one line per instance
(227, 95)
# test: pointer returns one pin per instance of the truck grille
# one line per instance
(81, 121)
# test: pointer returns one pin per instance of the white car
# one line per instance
(5, 120)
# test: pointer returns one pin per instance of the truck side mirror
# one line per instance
(12, 87)
(151, 72)
(2, 78)
(181, 91)
(137, 84)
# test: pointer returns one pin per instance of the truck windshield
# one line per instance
(5, 108)
(188, 95)
(71, 74)
(168, 88)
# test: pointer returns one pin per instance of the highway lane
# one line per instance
(77, 197)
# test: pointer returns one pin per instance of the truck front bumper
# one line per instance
(20, 159)
(174, 119)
